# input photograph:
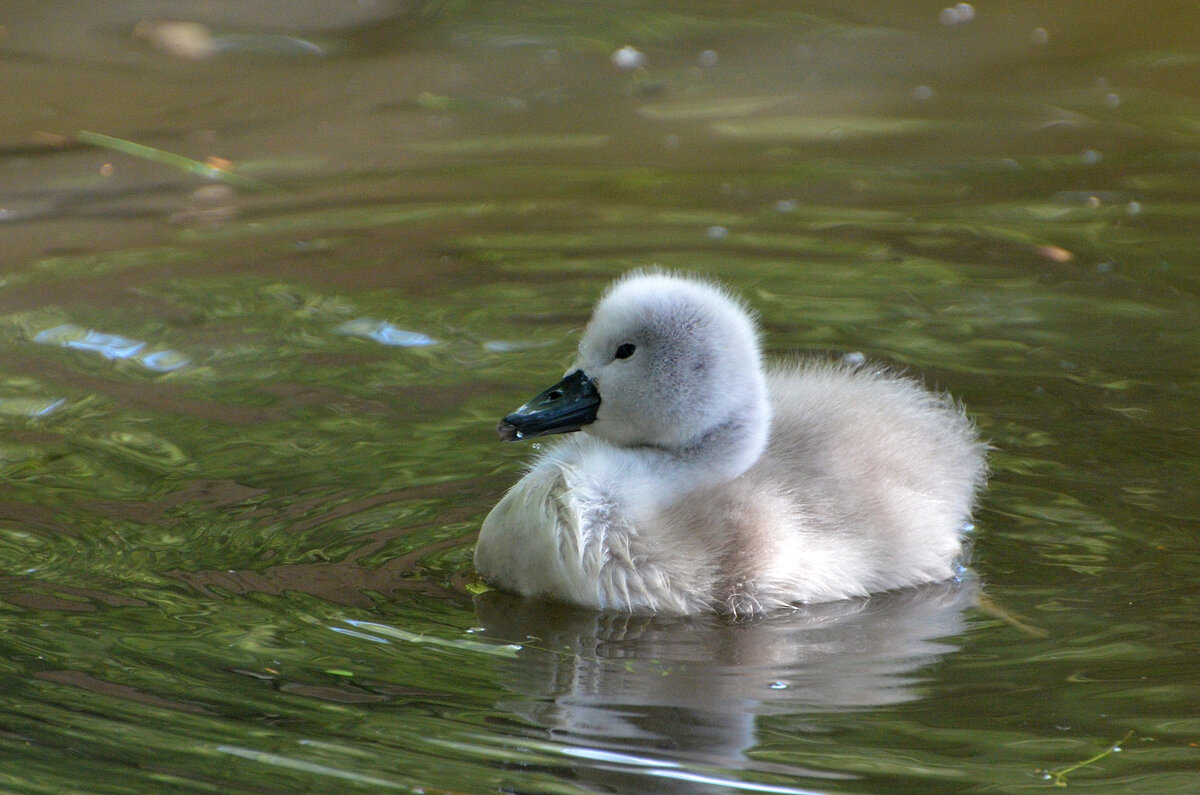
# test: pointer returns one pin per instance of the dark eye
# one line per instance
(625, 350)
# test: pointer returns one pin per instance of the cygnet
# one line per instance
(704, 481)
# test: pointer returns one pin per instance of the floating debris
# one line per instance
(215, 168)
(1059, 777)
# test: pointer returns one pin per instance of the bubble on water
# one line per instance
(1039, 36)
(628, 58)
(778, 685)
(1133, 208)
(717, 232)
(922, 93)
(708, 59)
(957, 14)
(1091, 156)
(854, 358)
(785, 206)
(1112, 99)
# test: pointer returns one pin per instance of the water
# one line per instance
(248, 433)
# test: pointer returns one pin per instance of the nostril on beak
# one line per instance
(555, 395)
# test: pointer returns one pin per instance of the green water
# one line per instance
(247, 436)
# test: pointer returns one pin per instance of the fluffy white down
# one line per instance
(709, 483)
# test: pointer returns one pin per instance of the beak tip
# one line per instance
(508, 432)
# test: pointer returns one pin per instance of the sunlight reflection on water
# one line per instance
(111, 346)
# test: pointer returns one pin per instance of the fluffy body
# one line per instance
(708, 482)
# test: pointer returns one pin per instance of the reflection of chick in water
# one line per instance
(664, 691)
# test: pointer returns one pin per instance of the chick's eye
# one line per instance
(625, 350)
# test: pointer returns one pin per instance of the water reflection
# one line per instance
(384, 333)
(679, 699)
(111, 346)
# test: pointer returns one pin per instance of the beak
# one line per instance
(567, 406)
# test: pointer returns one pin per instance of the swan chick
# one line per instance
(702, 480)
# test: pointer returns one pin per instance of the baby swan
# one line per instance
(703, 481)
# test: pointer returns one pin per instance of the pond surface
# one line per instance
(248, 399)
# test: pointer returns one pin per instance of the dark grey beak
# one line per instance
(567, 406)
